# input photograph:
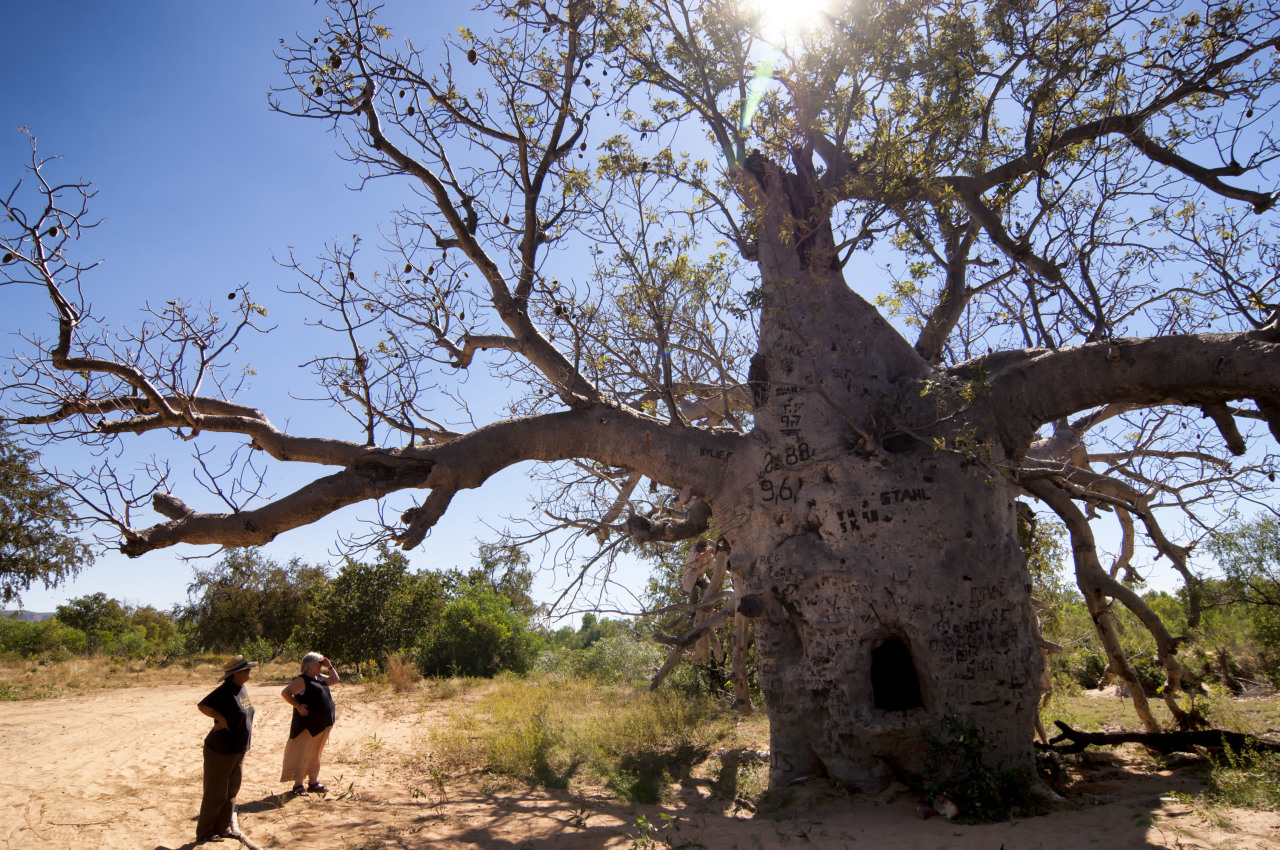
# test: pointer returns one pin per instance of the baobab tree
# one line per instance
(665, 232)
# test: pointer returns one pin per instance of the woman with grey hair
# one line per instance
(313, 716)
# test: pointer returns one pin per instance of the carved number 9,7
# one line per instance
(783, 492)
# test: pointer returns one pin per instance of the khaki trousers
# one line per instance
(221, 784)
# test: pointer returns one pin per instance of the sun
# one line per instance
(784, 20)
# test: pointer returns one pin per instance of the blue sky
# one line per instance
(163, 106)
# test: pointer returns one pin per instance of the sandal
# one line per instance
(298, 790)
(317, 788)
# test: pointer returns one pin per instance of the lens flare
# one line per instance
(784, 20)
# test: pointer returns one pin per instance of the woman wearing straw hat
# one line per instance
(313, 716)
(224, 747)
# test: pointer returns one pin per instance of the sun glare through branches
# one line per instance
(784, 20)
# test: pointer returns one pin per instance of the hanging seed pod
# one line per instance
(319, 90)
(410, 110)
(335, 61)
(582, 147)
(403, 92)
(408, 267)
(506, 219)
(351, 275)
(53, 231)
(231, 296)
(431, 269)
(472, 57)
(8, 258)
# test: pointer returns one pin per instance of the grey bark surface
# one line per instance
(854, 534)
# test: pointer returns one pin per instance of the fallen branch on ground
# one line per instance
(1161, 742)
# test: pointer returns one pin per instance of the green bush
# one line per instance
(131, 644)
(624, 658)
(1082, 667)
(478, 634)
(43, 639)
(258, 650)
(1246, 779)
(958, 763)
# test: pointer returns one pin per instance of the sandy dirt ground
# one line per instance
(121, 769)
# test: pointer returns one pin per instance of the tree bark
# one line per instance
(874, 543)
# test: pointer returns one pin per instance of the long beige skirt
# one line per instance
(302, 757)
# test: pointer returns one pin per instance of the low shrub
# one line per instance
(402, 671)
(1245, 779)
(958, 763)
(621, 659)
(44, 639)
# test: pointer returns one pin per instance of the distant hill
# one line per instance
(33, 616)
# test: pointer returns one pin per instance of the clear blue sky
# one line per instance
(163, 106)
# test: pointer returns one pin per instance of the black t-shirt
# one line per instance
(320, 710)
(232, 702)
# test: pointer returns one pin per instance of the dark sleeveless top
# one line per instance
(320, 711)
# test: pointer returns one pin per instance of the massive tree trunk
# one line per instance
(874, 540)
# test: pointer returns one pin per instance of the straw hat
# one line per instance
(235, 665)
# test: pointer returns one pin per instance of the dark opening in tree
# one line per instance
(895, 685)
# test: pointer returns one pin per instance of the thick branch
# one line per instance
(679, 457)
(1201, 369)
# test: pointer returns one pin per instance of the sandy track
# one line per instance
(121, 769)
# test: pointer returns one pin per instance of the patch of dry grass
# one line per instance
(1254, 715)
(560, 732)
(30, 679)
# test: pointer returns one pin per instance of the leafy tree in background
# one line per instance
(36, 526)
(658, 231)
(115, 628)
(504, 569)
(247, 597)
(370, 610)
(95, 612)
(1249, 555)
(478, 634)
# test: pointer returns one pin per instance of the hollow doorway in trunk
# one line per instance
(895, 683)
